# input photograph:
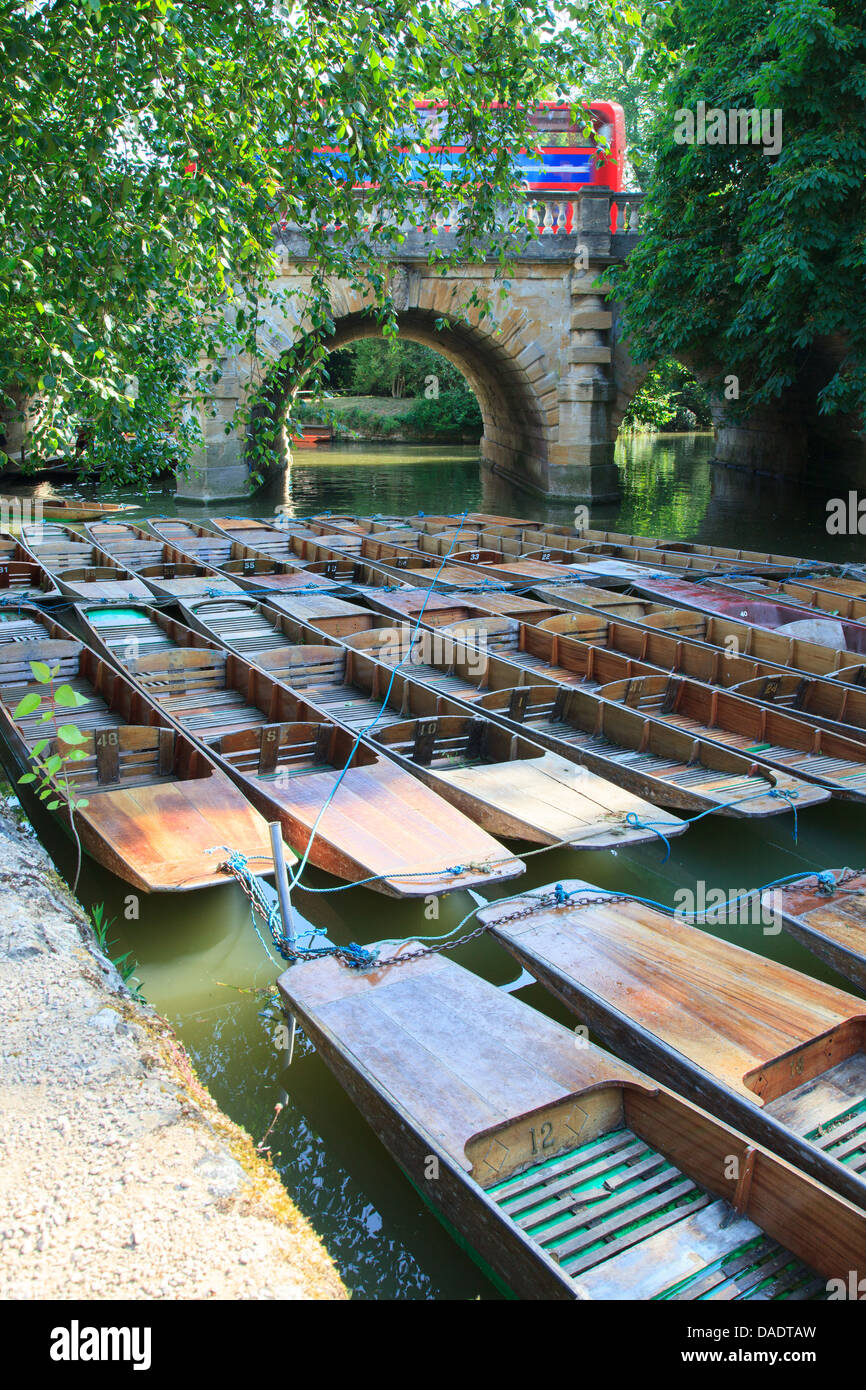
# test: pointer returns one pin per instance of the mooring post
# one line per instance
(282, 882)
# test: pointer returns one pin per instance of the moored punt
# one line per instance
(248, 626)
(284, 542)
(665, 766)
(240, 565)
(835, 603)
(63, 508)
(585, 598)
(80, 569)
(774, 1052)
(777, 650)
(829, 704)
(568, 1174)
(809, 624)
(508, 785)
(379, 823)
(516, 789)
(826, 913)
(156, 803)
(408, 605)
(21, 576)
(758, 731)
(160, 567)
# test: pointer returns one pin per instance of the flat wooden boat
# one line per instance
(516, 789)
(65, 508)
(407, 604)
(503, 782)
(516, 538)
(249, 626)
(846, 600)
(312, 436)
(665, 766)
(760, 732)
(737, 639)
(826, 913)
(812, 626)
(286, 542)
(826, 703)
(79, 568)
(568, 1174)
(251, 569)
(774, 1052)
(22, 578)
(156, 803)
(288, 760)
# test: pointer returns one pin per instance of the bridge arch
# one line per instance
(517, 424)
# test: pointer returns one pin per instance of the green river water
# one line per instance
(201, 962)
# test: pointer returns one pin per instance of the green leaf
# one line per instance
(65, 695)
(41, 672)
(28, 777)
(28, 705)
(70, 734)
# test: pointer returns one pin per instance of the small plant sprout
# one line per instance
(50, 755)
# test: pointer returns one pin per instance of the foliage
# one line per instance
(450, 413)
(747, 259)
(51, 782)
(148, 148)
(394, 367)
(125, 965)
(670, 399)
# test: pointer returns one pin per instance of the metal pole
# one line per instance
(282, 882)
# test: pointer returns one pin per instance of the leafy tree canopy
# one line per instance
(748, 260)
(147, 149)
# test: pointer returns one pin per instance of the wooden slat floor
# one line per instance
(615, 1193)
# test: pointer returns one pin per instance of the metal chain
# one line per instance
(552, 899)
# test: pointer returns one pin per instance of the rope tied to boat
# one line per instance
(237, 864)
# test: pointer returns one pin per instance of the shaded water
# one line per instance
(201, 963)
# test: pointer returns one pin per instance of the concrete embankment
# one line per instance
(119, 1175)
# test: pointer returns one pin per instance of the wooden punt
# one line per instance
(667, 767)
(836, 603)
(250, 569)
(249, 626)
(506, 784)
(663, 767)
(157, 804)
(829, 921)
(284, 542)
(568, 1174)
(761, 732)
(288, 760)
(78, 567)
(774, 1052)
(564, 548)
(407, 604)
(21, 576)
(828, 704)
(63, 508)
(776, 650)
(517, 790)
(156, 563)
(795, 621)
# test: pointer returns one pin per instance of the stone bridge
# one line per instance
(551, 371)
(551, 377)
